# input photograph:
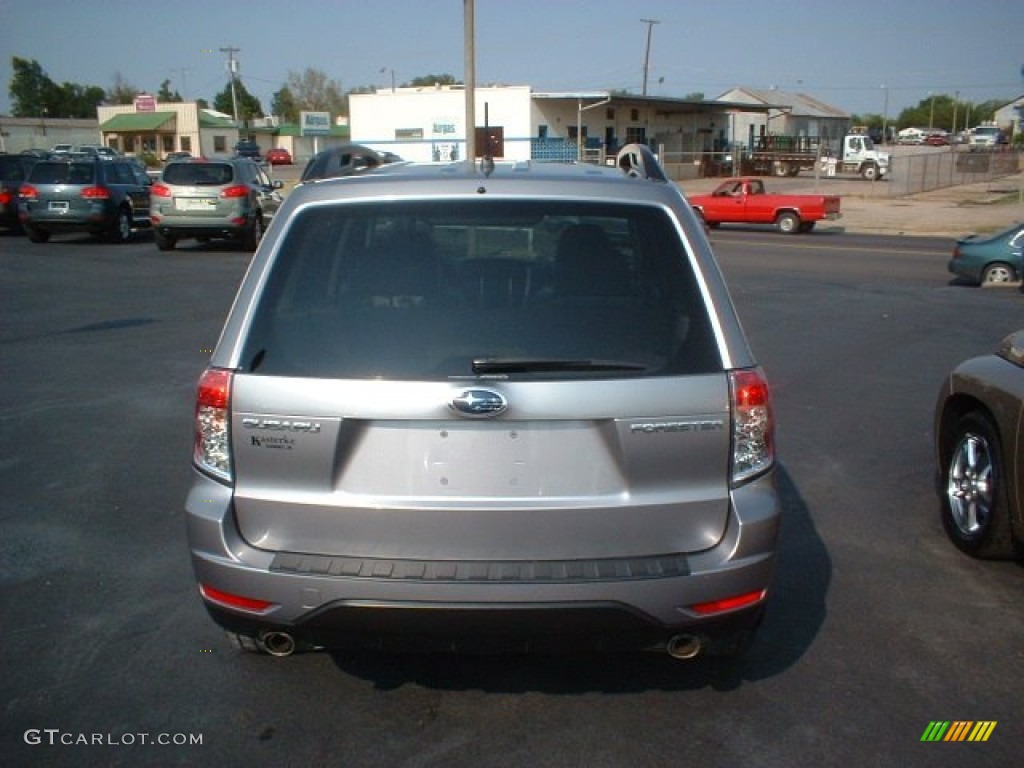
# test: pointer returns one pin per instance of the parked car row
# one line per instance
(217, 199)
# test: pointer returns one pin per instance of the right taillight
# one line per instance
(212, 449)
(753, 441)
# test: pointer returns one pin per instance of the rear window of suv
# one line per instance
(516, 289)
(63, 173)
(198, 174)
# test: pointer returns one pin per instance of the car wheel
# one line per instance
(780, 169)
(122, 232)
(997, 274)
(870, 172)
(35, 234)
(254, 234)
(788, 223)
(165, 242)
(975, 507)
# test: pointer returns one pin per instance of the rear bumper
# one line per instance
(174, 226)
(403, 605)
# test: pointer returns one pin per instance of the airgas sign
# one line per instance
(315, 123)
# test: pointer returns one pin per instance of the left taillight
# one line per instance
(96, 193)
(28, 192)
(238, 190)
(212, 448)
(753, 426)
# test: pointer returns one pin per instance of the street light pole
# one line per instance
(885, 116)
(470, 64)
(647, 53)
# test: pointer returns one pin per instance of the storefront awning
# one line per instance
(137, 121)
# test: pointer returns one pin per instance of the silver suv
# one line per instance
(511, 409)
(228, 199)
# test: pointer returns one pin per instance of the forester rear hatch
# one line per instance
(450, 397)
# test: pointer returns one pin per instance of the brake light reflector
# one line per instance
(238, 190)
(212, 448)
(5, 198)
(753, 443)
(234, 601)
(96, 193)
(729, 603)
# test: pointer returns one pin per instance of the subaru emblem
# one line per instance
(479, 403)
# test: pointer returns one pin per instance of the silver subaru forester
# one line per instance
(507, 407)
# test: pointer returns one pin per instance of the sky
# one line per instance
(863, 56)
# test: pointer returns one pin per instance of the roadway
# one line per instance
(877, 625)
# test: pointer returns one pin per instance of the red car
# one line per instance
(279, 156)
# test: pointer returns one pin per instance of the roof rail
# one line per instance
(638, 160)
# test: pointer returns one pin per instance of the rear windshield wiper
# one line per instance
(545, 365)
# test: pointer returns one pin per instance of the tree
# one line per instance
(32, 92)
(80, 100)
(432, 80)
(121, 92)
(312, 90)
(283, 105)
(166, 95)
(248, 105)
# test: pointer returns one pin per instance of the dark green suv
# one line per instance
(103, 197)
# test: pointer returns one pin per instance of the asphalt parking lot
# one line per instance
(877, 625)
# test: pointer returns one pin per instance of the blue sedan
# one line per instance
(991, 259)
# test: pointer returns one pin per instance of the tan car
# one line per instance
(979, 439)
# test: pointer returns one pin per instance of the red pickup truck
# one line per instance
(744, 201)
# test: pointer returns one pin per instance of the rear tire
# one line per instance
(975, 499)
(35, 234)
(870, 172)
(122, 231)
(998, 274)
(788, 223)
(165, 242)
(253, 235)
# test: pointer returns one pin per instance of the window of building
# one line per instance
(186, 143)
(634, 114)
(636, 135)
(220, 144)
(168, 143)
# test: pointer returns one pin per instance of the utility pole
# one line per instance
(184, 88)
(232, 69)
(469, 27)
(647, 54)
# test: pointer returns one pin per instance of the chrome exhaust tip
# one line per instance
(683, 646)
(276, 643)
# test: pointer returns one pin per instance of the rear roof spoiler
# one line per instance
(638, 160)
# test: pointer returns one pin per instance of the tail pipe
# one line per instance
(683, 646)
(276, 643)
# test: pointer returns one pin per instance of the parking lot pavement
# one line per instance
(867, 209)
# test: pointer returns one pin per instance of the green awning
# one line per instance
(206, 120)
(137, 121)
